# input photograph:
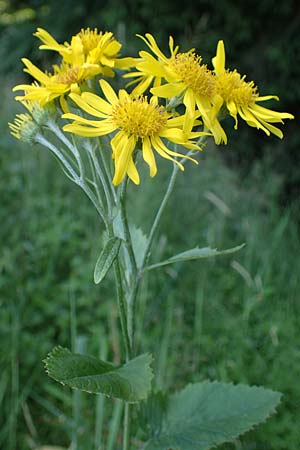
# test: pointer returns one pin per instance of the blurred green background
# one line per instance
(234, 319)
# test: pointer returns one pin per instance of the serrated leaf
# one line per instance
(139, 244)
(106, 258)
(207, 414)
(195, 253)
(130, 382)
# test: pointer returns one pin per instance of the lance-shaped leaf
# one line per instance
(106, 258)
(195, 253)
(130, 382)
(207, 414)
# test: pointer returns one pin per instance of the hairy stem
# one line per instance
(77, 179)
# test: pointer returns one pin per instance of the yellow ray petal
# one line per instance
(123, 155)
(151, 43)
(79, 100)
(35, 72)
(219, 60)
(168, 90)
(83, 130)
(142, 86)
(98, 103)
(108, 92)
(163, 151)
(132, 172)
(267, 114)
(47, 39)
(149, 157)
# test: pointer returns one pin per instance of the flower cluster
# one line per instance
(184, 75)
(170, 101)
(89, 54)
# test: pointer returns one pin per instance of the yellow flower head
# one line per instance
(65, 78)
(241, 98)
(188, 78)
(93, 46)
(137, 123)
(182, 75)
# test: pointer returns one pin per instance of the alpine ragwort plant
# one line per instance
(170, 107)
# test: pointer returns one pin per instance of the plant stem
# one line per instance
(127, 345)
(170, 187)
(126, 435)
(128, 316)
(122, 309)
(163, 205)
(159, 214)
(125, 224)
(72, 174)
(106, 166)
(132, 263)
(43, 141)
(129, 312)
(101, 176)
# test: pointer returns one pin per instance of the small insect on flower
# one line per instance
(241, 98)
(138, 123)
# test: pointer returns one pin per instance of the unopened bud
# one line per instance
(24, 128)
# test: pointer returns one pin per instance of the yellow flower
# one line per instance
(66, 78)
(190, 79)
(137, 123)
(150, 70)
(95, 48)
(241, 98)
(184, 77)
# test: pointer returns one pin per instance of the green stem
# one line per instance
(106, 166)
(129, 312)
(122, 309)
(94, 181)
(72, 174)
(126, 229)
(126, 435)
(41, 140)
(127, 345)
(170, 187)
(101, 176)
(132, 263)
(159, 214)
(163, 205)
(71, 146)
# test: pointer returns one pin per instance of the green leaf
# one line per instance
(106, 258)
(195, 253)
(152, 411)
(139, 244)
(206, 414)
(118, 225)
(130, 382)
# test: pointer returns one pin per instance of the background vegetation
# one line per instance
(233, 319)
